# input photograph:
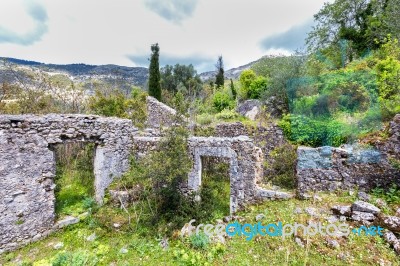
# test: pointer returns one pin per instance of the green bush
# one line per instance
(199, 241)
(257, 87)
(227, 114)
(204, 119)
(74, 259)
(303, 130)
(252, 86)
(117, 105)
(223, 100)
(283, 166)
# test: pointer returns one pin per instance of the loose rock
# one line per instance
(362, 206)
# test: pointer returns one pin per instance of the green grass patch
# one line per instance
(74, 178)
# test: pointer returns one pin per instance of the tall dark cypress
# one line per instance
(219, 79)
(233, 90)
(154, 73)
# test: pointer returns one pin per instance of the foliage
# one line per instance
(219, 78)
(359, 23)
(227, 114)
(204, 119)
(390, 195)
(154, 73)
(79, 258)
(233, 90)
(388, 78)
(180, 78)
(74, 178)
(283, 166)
(199, 241)
(252, 86)
(222, 99)
(118, 105)
(303, 130)
(280, 71)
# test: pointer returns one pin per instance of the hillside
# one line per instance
(83, 73)
(135, 76)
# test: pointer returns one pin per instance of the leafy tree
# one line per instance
(392, 18)
(181, 77)
(219, 78)
(252, 85)
(360, 22)
(154, 73)
(388, 78)
(257, 87)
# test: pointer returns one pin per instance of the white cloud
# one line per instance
(114, 32)
(16, 21)
(172, 10)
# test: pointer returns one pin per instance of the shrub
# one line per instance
(199, 241)
(222, 100)
(116, 104)
(283, 166)
(252, 86)
(227, 114)
(312, 132)
(74, 259)
(257, 87)
(204, 119)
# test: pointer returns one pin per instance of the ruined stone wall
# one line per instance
(158, 114)
(245, 165)
(267, 138)
(349, 167)
(27, 167)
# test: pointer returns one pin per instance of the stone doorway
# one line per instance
(75, 179)
(235, 177)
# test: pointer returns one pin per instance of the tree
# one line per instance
(358, 22)
(219, 78)
(154, 73)
(180, 76)
(233, 90)
(392, 18)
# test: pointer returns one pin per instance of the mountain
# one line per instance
(232, 73)
(82, 73)
(121, 76)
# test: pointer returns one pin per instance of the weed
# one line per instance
(199, 241)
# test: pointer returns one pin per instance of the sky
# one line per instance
(121, 31)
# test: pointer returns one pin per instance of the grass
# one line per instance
(145, 250)
(74, 178)
(126, 237)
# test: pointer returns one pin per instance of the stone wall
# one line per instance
(245, 166)
(158, 114)
(267, 138)
(27, 167)
(245, 161)
(349, 167)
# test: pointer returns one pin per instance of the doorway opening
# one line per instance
(215, 186)
(74, 179)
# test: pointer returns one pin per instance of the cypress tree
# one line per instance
(154, 73)
(219, 79)
(233, 90)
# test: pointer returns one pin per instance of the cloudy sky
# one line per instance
(121, 31)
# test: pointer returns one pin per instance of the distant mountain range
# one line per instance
(136, 76)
